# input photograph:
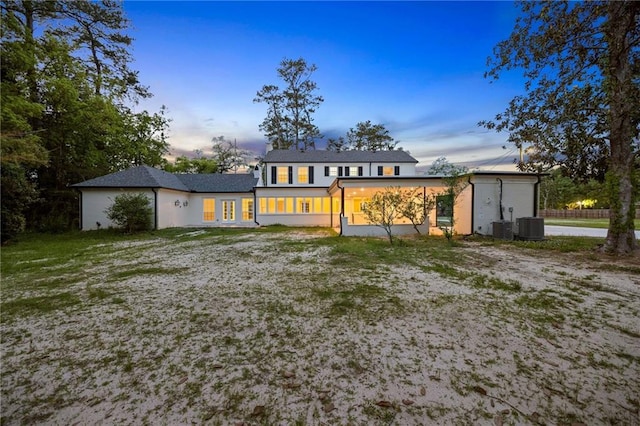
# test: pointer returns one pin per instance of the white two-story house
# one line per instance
(294, 186)
(310, 188)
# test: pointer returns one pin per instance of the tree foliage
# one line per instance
(184, 164)
(364, 137)
(581, 110)
(289, 120)
(67, 99)
(560, 192)
(131, 212)
(455, 181)
(228, 156)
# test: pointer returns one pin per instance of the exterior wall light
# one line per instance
(177, 203)
(185, 203)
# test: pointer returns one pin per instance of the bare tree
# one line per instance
(384, 209)
(227, 155)
(416, 206)
(455, 182)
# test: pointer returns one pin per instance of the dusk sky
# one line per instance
(415, 67)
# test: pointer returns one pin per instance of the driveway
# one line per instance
(577, 231)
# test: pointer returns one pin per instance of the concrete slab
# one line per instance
(578, 231)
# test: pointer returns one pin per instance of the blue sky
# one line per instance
(415, 67)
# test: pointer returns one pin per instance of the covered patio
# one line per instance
(354, 193)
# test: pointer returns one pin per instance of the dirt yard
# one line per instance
(286, 328)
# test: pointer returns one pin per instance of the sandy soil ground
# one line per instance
(259, 329)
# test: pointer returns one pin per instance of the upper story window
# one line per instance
(283, 174)
(343, 171)
(305, 174)
(388, 170)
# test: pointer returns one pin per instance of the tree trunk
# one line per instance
(621, 235)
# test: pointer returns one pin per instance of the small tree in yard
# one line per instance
(131, 212)
(455, 182)
(416, 206)
(384, 208)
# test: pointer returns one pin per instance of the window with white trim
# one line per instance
(283, 174)
(303, 174)
(208, 209)
(247, 209)
(228, 210)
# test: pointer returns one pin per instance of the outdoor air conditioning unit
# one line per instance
(503, 230)
(530, 228)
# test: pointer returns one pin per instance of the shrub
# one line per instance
(131, 212)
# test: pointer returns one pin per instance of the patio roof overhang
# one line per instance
(384, 182)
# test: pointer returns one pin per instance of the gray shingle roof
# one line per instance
(149, 177)
(136, 177)
(321, 156)
(217, 182)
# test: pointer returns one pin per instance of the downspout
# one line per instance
(155, 209)
(80, 200)
(255, 208)
(500, 202)
(536, 196)
(473, 205)
(341, 205)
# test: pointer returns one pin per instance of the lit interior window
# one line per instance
(303, 174)
(228, 210)
(208, 209)
(247, 209)
(304, 205)
(283, 174)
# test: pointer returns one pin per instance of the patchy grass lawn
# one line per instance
(299, 326)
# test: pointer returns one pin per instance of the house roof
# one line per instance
(136, 177)
(216, 182)
(149, 177)
(322, 156)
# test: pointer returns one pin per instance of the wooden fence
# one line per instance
(580, 214)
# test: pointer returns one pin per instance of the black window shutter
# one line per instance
(360, 171)
(380, 171)
(346, 171)
(310, 174)
(396, 170)
(340, 171)
(326, 170)
(274, 175)
(290, 175)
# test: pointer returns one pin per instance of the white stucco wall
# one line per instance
(319, 179)
(188, 212)
(194, 213)
(96, 201)
(517, 193)
(292, 219)
(170, 215)
(377, 231)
